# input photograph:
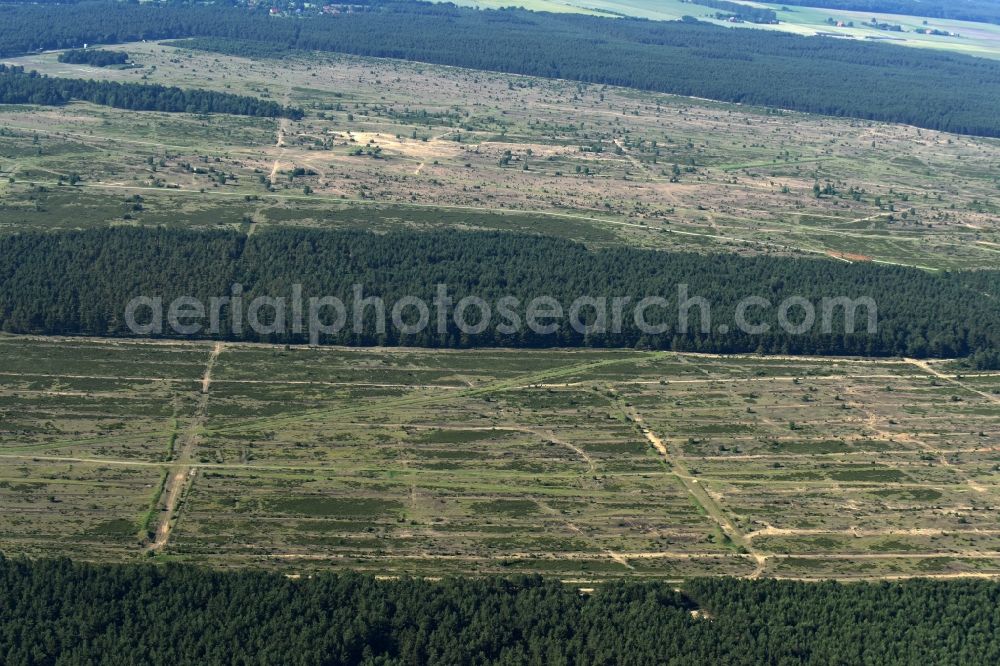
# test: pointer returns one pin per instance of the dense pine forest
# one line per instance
(835, 77)
(60, 612)
(80, 282)
(20, 87)
(94, 57)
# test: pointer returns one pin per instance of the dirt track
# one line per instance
(182, 473)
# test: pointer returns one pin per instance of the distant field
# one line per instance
(976, 39)
(582, 464)
(445, 147)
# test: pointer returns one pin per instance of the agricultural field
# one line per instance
(388, 144)
(586, 465)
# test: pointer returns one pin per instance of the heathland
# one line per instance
(583, 464)
(389, 144)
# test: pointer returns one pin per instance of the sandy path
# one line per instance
(182, 473)
(283, 125)
(927, 367)
(280, 144)
(178, 380)
(856, 533)
(701, 496)
(551, 435)
(617, 557)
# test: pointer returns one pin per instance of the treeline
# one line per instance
(740, 11)
(78, 283)
(63, 612)
(94, 57)
(834, 77)
(982, 11)
(20, 87)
